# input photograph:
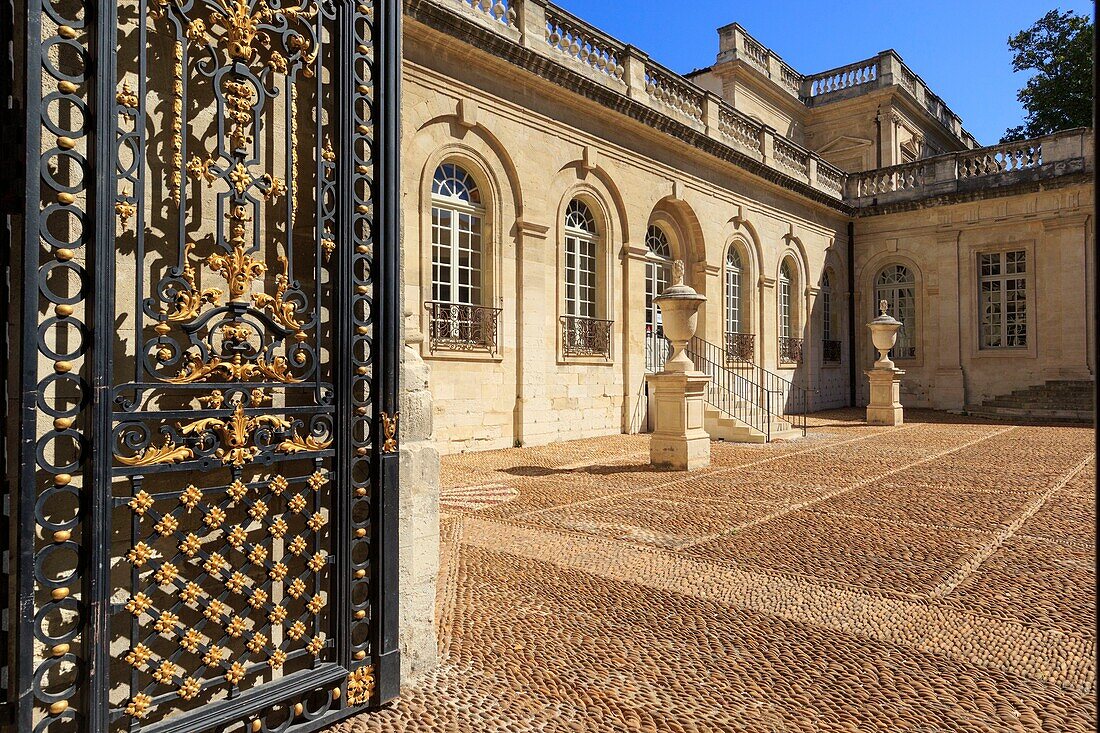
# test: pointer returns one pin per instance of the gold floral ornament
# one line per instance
(190, 300)
(236, 537)
(238, 267)
(361, 685)
(296, 631)
(139, 604)
(296, 588)
(277, 615)
(140, 554)
(190, 545)
(257, 643)
(235, 627)
(258, 598)
(191, 593)
(213, 656)
(235, 433)
(166, 526)
(277, 659)
(139, 705)
(191, 640)
(315, 645)
(189, 688)
(138, 656)
(167, 621)
(235, 673)
(237, 368)
(278, 572)
(317, 480)
(297, 546)
(389, 430)
(166, 573)
(167, 453)
(141, 503)
(237, 583)
(165, 673)
(278, 306)
(191, 497)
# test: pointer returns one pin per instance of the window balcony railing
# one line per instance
(740, 348)
(830, 351)
(585, 337)
(790, 350)
(461, 327)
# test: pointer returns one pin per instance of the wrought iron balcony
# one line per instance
(740, 348)
(585, 337)
(790, 350)
(460, 327)
(830, 351)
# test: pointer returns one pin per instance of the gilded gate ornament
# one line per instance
(361, 685)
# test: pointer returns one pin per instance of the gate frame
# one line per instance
(21, 211)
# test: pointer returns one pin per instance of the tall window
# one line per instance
(581, 240)
(1003, 277)
(827, 307)
(895, 284)
(658, 273)
(785, 300)
(733, 291)
(457, 215)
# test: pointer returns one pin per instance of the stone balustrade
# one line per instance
(674, 91)
(737, 44)
(583, 44)
(544, 28)
(1006, 164)
(884, 70)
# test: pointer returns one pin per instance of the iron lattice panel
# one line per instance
(207, 526)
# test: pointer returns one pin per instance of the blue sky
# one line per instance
(959, 48)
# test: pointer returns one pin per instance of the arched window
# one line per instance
(830, 331)
(785, 299)
(581, 241)
(734, 310)
(457, 220)
(790, 345)
(896, 285)
(658, 273)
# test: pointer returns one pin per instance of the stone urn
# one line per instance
(679, 306)
(884, 334)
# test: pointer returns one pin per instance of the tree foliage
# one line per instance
(1058, 96)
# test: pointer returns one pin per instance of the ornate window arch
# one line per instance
(458, 216)
(896, 284)
(658, 273)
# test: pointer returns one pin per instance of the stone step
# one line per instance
(1031, 414)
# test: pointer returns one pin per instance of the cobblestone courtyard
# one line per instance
(791, 587)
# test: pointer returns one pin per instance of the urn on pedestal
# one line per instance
(679, 440)
(885, 406)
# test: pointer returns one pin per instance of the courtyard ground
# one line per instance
(934, 577)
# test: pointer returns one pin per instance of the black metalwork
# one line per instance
(210, 352)
(790, 350)
(460, 327)
(830, 351)
(740, 347)
(585, 337)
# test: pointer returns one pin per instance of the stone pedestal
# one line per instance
(885, 405)
(679, 441)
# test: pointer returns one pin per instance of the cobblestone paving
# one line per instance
(790, 587)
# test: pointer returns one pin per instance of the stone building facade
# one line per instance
(552, 174)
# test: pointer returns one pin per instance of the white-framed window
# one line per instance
(896, 285)
(734, 271)
(658, 274)
(1003, 299)
(826, 307)
(457, 220)
(785, 299)
(581, 247)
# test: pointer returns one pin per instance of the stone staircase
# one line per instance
(1069, 401)
(721, 425)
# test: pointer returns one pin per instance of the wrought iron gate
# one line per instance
(205, 258)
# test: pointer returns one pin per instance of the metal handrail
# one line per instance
(752, 398)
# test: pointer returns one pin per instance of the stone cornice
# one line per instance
(455, 25)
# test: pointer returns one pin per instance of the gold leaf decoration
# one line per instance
(361, 685)
(153, 455)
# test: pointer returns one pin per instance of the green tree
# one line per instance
(1058, 96)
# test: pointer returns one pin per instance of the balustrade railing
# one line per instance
(942, 174)
(830, 351)
(585, 337)
(674, 92)
(755, 52)
(1002, 158)
(502, 11)
(740, 131)
(549, 30)
(846, 77)
(584, 44)
(461, 327)
(790, 350)
(791, 157)
(740, 348)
